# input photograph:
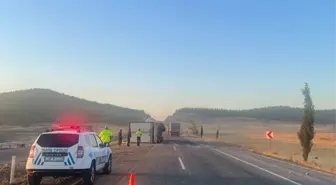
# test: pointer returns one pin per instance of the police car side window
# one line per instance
(93, 141)
(98, 139)
(88, 141)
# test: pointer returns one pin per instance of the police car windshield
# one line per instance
(58, 140)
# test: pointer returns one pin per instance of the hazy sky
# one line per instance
(159, 55)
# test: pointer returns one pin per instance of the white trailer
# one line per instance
(147, 129)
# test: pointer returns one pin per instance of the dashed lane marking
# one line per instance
(181, 163)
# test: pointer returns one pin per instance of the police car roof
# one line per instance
(67, 132)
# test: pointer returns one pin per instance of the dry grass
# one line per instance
(321, 139)
(285, 145)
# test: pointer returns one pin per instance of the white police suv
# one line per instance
(68, 151)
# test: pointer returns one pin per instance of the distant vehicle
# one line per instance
(68, 151)
(174, 129)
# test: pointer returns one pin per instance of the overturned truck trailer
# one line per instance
(151, 131)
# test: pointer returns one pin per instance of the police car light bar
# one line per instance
(78, 128)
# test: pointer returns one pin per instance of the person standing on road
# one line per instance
(217, 134)
(201, 131)
(129, 135)
(106, 135)
(120, 137)
(138, 133)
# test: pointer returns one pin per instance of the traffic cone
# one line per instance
(132, 179)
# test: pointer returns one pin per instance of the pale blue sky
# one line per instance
(159, 55)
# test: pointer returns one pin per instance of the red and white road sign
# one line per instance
(269, 135)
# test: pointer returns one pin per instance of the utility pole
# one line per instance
(217, 132)
(129, 134)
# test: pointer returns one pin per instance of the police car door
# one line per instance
(95, 150)
(103, 155)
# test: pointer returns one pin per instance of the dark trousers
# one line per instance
(120, 141)
(138, 141)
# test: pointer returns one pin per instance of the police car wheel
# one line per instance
(34, 180)
(89, 177)
(108, 166)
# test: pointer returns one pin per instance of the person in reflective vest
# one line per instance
(106, 135)
(138, 133)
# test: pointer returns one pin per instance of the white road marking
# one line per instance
(260, 168)
(174, 147)
(294, 172)
(181, 163)
(285, 162)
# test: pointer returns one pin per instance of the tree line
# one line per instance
(280, 113)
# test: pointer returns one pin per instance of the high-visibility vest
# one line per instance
(105, 135)
(138, 133)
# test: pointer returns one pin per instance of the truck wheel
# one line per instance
(90, 176)
(34, 180)
(108, 166)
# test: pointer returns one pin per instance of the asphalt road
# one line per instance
(184, 162)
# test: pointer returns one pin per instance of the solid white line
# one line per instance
(260, 168)
(295, 165)
(174, 148)
(181, 163)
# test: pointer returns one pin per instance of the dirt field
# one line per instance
(251, 134)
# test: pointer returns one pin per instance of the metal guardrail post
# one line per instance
(12, 174)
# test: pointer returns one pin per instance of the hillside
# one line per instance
(280, 113)
(45, 106)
